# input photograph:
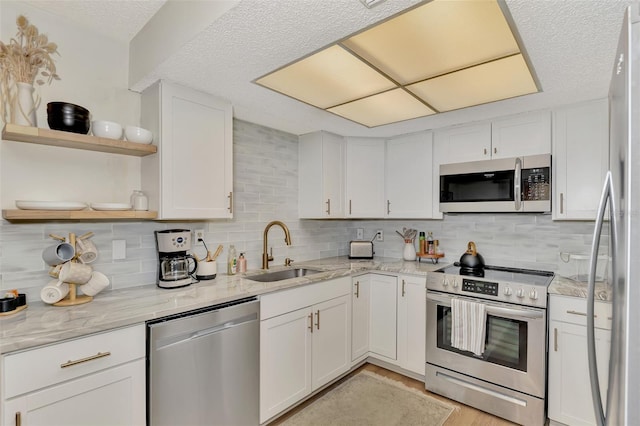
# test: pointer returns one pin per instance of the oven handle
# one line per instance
(493, 309)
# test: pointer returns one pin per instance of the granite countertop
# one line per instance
(42, 324)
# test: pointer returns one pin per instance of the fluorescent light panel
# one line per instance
(450, 54)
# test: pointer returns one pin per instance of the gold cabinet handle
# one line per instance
(495, 150)
(403, 293)
(318, 319)
(87, 359)
(311, 322)
(18, 418)
(230, 197)
(485, 151)
(388, 207)
(555, 340)
(357, 293)
(328, 206)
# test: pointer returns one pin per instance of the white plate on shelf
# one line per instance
(50, 205)
(110, 206)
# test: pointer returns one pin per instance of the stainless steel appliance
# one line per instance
(509, 378)
(520, 184)
(175, 266)
(361, 250)
(622, 194)
(203, 366)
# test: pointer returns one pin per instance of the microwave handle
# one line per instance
(517, 180)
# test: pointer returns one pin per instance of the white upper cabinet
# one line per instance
(513, 136)
(463, 143)
(408, 176)
(191, 176)
(520, 135)
(365, 178)
(321, 176)
(580, 159)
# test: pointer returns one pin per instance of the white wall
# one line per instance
(93, 71)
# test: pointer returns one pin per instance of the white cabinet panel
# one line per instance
(360, 299)
(520, 135)
(580, 159)
(191, 176)
(412, 309)
(382, 317)
(408, 174)
(365, 178)
(463, 143)
(321, 157)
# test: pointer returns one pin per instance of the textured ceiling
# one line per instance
(571, 45)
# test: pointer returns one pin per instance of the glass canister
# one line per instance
(139, 200)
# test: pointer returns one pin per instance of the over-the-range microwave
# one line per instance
(520, 184)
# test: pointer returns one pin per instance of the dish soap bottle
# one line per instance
(242, 264)
(232, 264)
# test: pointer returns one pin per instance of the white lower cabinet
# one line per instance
(412, 313)
(569, 390)
(360, 300)
(94, 380)
(383, 316)
(305, 342)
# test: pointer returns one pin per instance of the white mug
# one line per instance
(58, 253)
(54, 292)
(75, 273)
(87, 251)
(206, 270)
(96, 284)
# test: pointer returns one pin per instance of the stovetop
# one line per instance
(511, 285)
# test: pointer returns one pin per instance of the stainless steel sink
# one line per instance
(283, 275)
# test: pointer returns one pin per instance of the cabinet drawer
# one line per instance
(36, 368)
(278, 303)
(574, 310)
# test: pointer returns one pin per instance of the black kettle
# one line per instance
(471, 260)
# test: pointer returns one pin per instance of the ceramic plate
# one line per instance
(50, 205)
(110, 206)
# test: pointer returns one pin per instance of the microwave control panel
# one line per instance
(481, 287)
(536, 184)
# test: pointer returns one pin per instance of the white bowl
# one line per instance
(138, 134)
(106, 129)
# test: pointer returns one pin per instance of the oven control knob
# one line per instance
(445, 282)
(508, 291)
(455, 283)
(520, 293)
(533, 295)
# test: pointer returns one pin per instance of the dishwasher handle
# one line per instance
(187, 337)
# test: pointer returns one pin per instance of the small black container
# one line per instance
(21, 300)
(8, 304)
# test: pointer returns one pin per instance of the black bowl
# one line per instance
(67, 123)
(67, 108)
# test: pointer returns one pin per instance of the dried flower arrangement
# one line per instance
(25, 59)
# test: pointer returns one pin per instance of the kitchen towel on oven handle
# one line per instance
(468, 325)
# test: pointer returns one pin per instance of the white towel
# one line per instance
(468, 325)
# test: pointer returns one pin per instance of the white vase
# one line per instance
(24, 109)
(409, 252)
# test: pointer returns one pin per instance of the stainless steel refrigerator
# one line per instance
(621, 194)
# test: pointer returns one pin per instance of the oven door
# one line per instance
(515, 345)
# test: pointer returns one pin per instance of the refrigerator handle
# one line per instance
(591, 341)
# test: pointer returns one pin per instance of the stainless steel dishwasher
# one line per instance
(203, 366)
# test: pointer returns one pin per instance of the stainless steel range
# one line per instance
(507, 378)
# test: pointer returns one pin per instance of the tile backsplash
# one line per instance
(265, 189)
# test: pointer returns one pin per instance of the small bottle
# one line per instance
(242, 264)
(430, 244)
(436, 246)
(423, 243)
(232, 261)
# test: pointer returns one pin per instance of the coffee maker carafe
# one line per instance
(175, 265)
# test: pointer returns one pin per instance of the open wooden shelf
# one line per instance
(17, 133)
(17, 214)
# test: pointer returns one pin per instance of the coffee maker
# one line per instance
(175, 265)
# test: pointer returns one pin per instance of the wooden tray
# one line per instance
(15, 311)
(434, 257)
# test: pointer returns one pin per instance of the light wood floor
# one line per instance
(462, 416)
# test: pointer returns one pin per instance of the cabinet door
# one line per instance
(115, 396)
(365, 178)
(285, 361)
(520, 135)
(321, 175)
(191, 177)
(408, 173)
(331, 340)
(382, 316)
(570, 400)
(580, 159)
(412, 309)
(463, 143)
(360, 299)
